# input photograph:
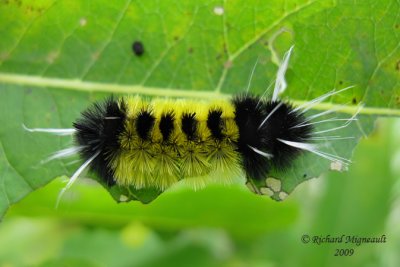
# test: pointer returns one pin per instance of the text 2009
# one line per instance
(344, 252)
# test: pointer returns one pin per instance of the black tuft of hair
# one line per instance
(166, 125)
(250, 112)
(97, 130)
(281, 126)
(144, 124)
(189, 125)
(215, 123)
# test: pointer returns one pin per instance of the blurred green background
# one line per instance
(219, 225)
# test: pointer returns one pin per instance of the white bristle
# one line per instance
(262, 153)
(280, 83)
(63, 153)
(75, 176)
(50, 130)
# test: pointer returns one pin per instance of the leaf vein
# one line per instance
(108, 41)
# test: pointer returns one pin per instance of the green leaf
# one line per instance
(58, 56)
(232, 208)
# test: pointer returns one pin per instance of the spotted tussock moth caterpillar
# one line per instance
(130, 141)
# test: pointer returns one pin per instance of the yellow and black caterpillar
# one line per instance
(157, 143)
(130, 141)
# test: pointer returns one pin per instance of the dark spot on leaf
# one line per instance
(138, 48)
(354, 100)
(266, 43)
(190, 50)
(397, 26)
(398, 65)
(340, 82)
(176, 38)
(304, 175)
(225, 48)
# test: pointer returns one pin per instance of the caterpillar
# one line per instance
(131, 141)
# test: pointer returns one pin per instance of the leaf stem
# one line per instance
(87, 86)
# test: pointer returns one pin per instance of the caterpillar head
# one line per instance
(97, 130)
(262, 125)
